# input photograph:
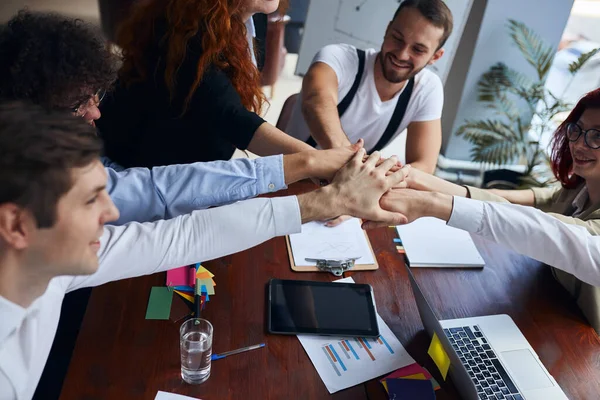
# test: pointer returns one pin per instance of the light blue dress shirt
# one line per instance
(143, 194)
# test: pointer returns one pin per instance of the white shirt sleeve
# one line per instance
(342, 58)
(431, 99)
(533, 233)
(138, 249)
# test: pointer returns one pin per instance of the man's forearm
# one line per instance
(319, 205)
(321, 116)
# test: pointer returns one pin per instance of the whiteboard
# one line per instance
(362, 23)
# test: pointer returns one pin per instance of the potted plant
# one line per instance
(510, 135)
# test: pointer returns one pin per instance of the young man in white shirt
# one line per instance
(525, 230)
(382, 105)
(53, 238)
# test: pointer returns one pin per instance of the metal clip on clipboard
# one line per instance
(335, 266)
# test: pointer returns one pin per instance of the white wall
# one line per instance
(546, 17)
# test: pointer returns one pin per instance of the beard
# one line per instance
(392, 74)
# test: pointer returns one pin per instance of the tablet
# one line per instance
(321, 308)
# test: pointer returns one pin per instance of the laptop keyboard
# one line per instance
(484, 368)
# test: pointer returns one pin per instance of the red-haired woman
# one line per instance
(576, 164)
(188, 88)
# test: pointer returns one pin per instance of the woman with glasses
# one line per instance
(575, 200)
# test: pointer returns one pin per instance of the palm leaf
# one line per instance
(535, 51)
(585, 57)
(494, 151)
(502, 78)
(474, 130)
(504, 105)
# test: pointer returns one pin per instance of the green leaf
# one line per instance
(494, 151)
(536, 52)
(585, 57)
(473, 130)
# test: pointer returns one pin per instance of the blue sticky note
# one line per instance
(410, 389)
(184, 288)
(397, 241)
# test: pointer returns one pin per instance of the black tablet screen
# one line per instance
(321, 308)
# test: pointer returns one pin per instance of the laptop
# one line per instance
(490, 358)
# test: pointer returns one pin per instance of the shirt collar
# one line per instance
(12, 316)
(250, 27)
(580, 201)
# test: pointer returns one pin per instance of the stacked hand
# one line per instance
(356, 190)
(370, 180)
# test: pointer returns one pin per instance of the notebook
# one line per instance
(429, 242)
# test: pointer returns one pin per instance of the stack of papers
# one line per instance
(318, 241)
(172, 396)
(343, 362)
(429, 242)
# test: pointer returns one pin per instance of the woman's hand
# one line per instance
(324, 164)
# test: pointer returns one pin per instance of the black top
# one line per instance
(141, 127)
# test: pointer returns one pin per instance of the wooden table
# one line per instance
(120, 355)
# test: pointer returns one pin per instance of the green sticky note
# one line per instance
(209, 286)
(159, 305)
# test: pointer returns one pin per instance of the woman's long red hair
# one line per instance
(561, 158)
(224, 44)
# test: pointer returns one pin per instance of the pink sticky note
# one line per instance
(192, 277)
(409, 370)
(178, 277)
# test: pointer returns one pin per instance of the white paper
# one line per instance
(429, 242)
(346, 240)
(172, 396)
(358, 365)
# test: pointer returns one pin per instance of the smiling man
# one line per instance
(349, 93)
(54, 206)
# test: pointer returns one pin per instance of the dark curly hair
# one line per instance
(53, 60)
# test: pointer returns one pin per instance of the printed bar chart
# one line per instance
(343, 350)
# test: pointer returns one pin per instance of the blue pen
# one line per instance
(232, 352)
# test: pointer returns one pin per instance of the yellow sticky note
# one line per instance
(202, 272)
(186, 296)
(415, 376)
(438, 355)
(204, 275)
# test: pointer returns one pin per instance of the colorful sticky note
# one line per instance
(208, 284)
(409, 370)
(180, 309)
(397, 240)
(159, 304)
(184, 289)
(203, 273)
(177, 276)
(438, 355)
(185, 295)
(415, 376)
(191, 277)
(410, 389)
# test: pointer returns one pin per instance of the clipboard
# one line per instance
(356, 267)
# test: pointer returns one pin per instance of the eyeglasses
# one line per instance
(80, 109)
(591, 137)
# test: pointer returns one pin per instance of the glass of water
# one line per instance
(195, 343)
